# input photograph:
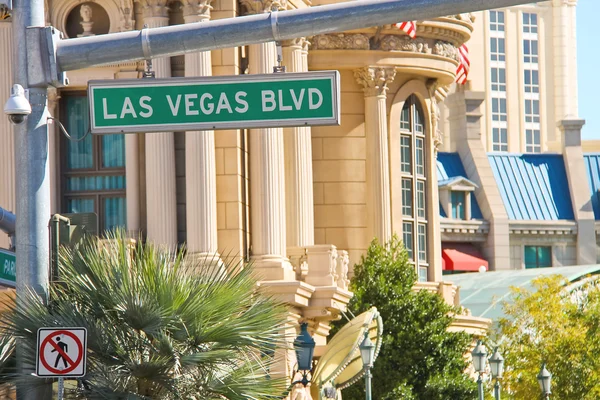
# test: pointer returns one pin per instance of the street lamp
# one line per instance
(304, 345)
(479, 355)
(367, 353)
(497, 367)
(544, 378)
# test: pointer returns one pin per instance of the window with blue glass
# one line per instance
(93, 171)
(458, 202)
(538, 256)
(414, 184)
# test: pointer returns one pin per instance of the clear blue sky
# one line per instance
(588, 66)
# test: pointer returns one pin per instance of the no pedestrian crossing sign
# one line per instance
(216, 102)
(61, 352)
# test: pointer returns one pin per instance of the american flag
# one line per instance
(464, 65)
(410, 28)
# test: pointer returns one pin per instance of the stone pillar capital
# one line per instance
(154, 8)
(263, 6)
(375, 80)
(300, 43)
(196, 10)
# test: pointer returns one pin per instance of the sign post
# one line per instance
(61, 352)
(216, 102)
(8, 273)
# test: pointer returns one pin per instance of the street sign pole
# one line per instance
(32, 182)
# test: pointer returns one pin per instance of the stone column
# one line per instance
(565, 60)
(298, 161)
(132, 187)
(160, 151)
(579, 190)
(200, 170)
(375, 81)
(267, 168)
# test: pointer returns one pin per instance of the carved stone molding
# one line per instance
(362, 41)
(127, 23)
(445, 49)
(375, 80)
(262, 6)
(340, 41)
(154, 8)
(433, 88)
(403, 43)
(4, 14)
(197, 8)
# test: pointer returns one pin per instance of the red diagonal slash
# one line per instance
(62, 353)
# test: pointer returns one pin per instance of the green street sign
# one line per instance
(8, 272)
(216, 102)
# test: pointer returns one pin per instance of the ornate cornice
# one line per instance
(375, 80)
(200, 9)
(397, 42)
(262, 6)
(340, 41)
(154, 8)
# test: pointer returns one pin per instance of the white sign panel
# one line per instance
(61, 352)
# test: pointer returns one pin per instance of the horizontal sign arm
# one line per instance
(78, 53)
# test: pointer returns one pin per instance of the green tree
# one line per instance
(550, 324)
(158, 327)
(419, 359)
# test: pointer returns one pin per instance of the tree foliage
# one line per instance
(551, 325)
(419, 359)
(158, 327)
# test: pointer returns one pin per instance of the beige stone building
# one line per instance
(490, 173)
(301, 203)
(529, 195)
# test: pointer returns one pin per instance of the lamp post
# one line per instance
(497, 367)
(367, 353)
(479, 355)
(304, 345)
(544, 378)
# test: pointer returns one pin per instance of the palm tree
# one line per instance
(158, 327)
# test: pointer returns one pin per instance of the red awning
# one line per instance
(462, 258)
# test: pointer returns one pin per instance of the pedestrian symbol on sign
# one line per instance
(61, 352)
(62, 348)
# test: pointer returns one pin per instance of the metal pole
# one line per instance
(368, 383)
(480, 386)
(78, 53)
(61, 388)
(32, 184)
(497, 390)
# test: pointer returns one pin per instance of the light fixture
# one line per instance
(479, 355)
(496, 364)
(544, 378)
(304, 345)
(367, 351)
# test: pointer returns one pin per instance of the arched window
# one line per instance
(414, 184)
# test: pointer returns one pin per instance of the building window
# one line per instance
(538, 256)
(93, 171)
(498, 97)
(458, 203)
(531, 80)
(414, 185)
